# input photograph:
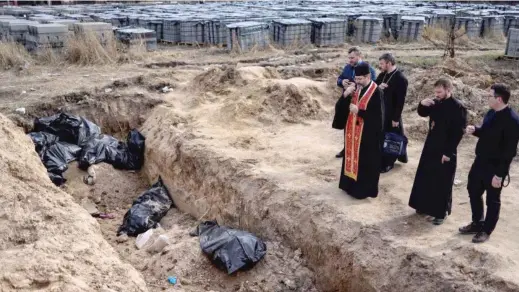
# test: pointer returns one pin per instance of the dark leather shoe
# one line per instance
(438, 221)
(472, 228)
(480, 237)
(340, 154)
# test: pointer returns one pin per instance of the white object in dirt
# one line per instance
(24, 92)
(165, 89)
(457, 182)
(160, 243)
(122, 238)
(90, 178)
(143, 238)
(20, 110)
(108, 90)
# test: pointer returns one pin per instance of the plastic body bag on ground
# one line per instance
(42, 141)
(131, 155)
(147, 210)
(97, 150)
(104, 148)
(68, 128)
(54, 154)
(58, 155)
(230, 249)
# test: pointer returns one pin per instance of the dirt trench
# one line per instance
(312, 245)
(282, 269)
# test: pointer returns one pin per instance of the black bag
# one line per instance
(395, 144)
(342, 110)
(147, 210)
(68, 128)
(230, 249)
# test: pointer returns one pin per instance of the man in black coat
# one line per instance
(363, 135)
(394, 84)
(432, 189)
(344, 80)
(496, 147)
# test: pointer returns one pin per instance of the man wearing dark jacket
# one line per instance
(344, 80)
(394, 84)
(496, 147)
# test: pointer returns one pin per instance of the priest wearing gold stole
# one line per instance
(363, 136)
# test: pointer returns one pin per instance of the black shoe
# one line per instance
(387, 169)
(480, 237)
(438, 221)
(403, 159)
(340, 154)
(472, 228)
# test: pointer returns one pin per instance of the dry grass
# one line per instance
(13, 55)
(90, 49)
(434, 34)
(84, 50)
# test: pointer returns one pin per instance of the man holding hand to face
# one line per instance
(363, 136)
(432, 189)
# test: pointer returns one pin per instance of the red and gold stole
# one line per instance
(353, 135)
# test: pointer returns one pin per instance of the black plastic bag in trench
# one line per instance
(68, 128)
(104, 148)
(147, 210)
(130, 156)
(58, 155)
(230, 249)
(97, 150)
(42, 141)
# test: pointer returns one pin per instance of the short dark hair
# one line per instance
(443, 82)
(388, 57)
(354, 50)
(501, 90)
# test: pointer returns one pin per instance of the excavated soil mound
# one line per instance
(293, 103)
(217, 79)
(48, 242)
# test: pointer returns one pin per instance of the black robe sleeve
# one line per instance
(342, 111)
(379, 79)
(399, 101)
(373, 115)
(510, 140)
(456, 129)
(424, 111)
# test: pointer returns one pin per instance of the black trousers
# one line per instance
(480, 181)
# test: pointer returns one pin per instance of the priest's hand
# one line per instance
(395, 124)
(427, 102)
(345, 83)
(383, 85)
(497, 182)
(353, 108)
(470, 130)
(445, 159)
(349, 90)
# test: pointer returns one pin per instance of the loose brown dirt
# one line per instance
(246, 140)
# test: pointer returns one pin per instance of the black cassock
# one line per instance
(394, 98)
(432, 189)
(370, 150)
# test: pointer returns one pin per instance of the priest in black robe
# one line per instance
(394, 84)
(363, 136)
(432, 189)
